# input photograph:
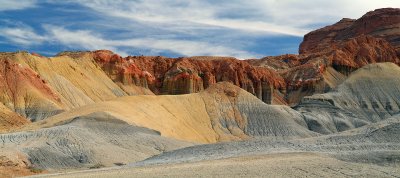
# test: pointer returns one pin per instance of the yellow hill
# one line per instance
(223, 112)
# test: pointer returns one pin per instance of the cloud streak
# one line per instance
(287, 17)
(188, 13)
(89, 40)
(16, 5)
(22, 36)
(245, 29)
(92, 41)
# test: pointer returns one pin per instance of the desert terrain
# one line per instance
(333, 110)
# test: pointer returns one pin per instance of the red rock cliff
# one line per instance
(330, 53)
(381, 23)
(327, 56)
(189, 74)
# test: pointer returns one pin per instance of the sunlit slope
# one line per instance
(77, 81)
(10, 120)
(37, 87)
(23, 91)
(223, 112)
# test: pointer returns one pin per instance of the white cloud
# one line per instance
(92, 41)
(79, 38)
(187, 48)
(187, 13)
(195, 27)
(16, 5)
(287, 17)
(305, 13)
(22, 35)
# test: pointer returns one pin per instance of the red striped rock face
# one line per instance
(327, 54)
(189, 74)
(381, 23)
(320, 38)
(23, 90)
(344, 46)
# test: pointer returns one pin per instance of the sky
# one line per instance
(173, 28)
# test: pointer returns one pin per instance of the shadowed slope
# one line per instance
(370, 94)
(86, 141)
(367, 151)
(381, 136)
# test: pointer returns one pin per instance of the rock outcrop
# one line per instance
(329, 54)
(189, 74)
(322, 71)
(83, 115)
(74, 79)
(381, 23)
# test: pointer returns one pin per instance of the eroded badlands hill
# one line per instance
(223, 112)
(369, 95)
(132, 128)
(74, 79)
(81, 110)
(329, 54)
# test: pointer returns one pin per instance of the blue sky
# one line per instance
(244, 29)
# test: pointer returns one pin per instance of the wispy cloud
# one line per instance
(244, 29)
(288, 17)
(188, 13)
(22, 35)
(89, 40)
(16, 5)
(92, 41)
(79, 38)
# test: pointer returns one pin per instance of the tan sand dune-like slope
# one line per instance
(37, 87)
(23, 91)
(10, 120)
(77, 81)
(173, 116)
(221, 113)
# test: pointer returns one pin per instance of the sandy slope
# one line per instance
(77, 81)
(271, 165)
(38, 87)
(223, 112)
(10, 120)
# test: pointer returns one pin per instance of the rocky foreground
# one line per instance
(332, 110)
